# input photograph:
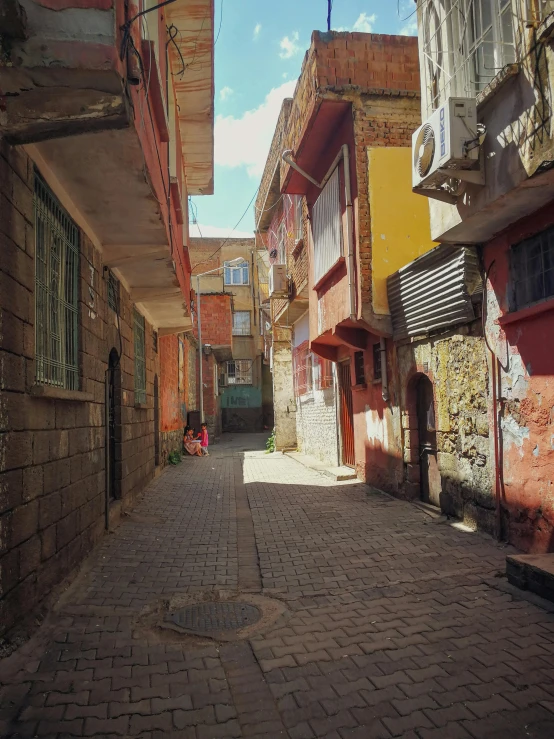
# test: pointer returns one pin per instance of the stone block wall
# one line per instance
(457, 366)
(317, 427)
(52, 474)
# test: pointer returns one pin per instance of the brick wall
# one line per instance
(52, 480)
(217, 320)
(170, 402)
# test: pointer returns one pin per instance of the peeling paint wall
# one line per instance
(524, 351)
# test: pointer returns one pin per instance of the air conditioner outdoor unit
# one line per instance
(278, 286)
(446, 151)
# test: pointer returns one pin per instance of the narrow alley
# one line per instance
(378, 619)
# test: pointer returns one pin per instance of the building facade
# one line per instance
(509, 218)
(344, 165)
(231, 333)
(95, 272)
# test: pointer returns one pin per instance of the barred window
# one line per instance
(532, 265)
(359, 368)
(377, 363)
(241, 323)
(113, 291)
(140, 359)
(323, 373)
(56, 291)
(303, 369)
(239, 372)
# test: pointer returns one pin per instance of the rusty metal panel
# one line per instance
(437, 290)
(327, 227)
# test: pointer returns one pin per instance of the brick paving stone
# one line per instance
(395, 626)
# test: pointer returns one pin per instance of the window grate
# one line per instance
(327, 227)
(140, 359)
(56, 291)
(241, 323)
(302, 362)
(155, 341)
(532, 264)
(359, 368)
(113, 292)
(377, 363)
(239, 372)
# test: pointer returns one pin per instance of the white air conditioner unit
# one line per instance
(446, 150)
(278, 286)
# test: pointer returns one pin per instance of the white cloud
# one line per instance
(225, 93)
(257, 29)
(409, 27)
(245, 141)
(216, 232)
(285, 75)
(364, 24)
(289, 46)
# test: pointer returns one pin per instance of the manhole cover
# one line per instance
(204, 618)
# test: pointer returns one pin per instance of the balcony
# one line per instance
(88, 93)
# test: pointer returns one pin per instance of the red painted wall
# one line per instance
(525, 348)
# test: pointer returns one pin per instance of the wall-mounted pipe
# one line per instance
(344, 154)
(384, 377)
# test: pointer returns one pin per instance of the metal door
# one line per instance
(346, 414)
(430, 478)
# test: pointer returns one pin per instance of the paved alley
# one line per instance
(392, 623)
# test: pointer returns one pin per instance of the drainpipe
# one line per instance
(349, 238)
(343, 154)
(497, 486)
(384, 377)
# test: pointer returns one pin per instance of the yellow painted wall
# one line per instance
(400, 229)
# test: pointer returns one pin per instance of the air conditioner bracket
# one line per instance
(473, 176)
(442, 195)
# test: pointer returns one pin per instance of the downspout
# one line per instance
(350, 265)
(495, 364)
(384, 377)
(107, 461)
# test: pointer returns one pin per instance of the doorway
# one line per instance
(114, 391)
(346, 414)
(430, 478)
(156, 422)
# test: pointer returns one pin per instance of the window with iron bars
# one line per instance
(465, 44)
(532, 267)
(113, 291)
(140, 358)
(377, 363)
(298, 224)
(302, 363)
(57, 254)
(239, 372)
(359, 368)
(241, 323)
(323, 373)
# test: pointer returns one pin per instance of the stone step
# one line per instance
(534, 572)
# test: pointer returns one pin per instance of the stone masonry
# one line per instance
(396, 623)
(52, 476)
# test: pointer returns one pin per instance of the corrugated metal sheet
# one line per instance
(436, 290)
(327, 227)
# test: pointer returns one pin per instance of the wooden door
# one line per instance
(430, 478)
(346, 414)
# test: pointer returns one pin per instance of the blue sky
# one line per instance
(257, 61)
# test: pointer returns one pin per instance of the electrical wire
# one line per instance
(220, 24)
(172, 36)
(230, 234)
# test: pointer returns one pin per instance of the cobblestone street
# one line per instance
(397, 624)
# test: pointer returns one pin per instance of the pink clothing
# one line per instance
(204, 438)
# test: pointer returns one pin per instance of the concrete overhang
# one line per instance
(471, 224)
(320, 126)
(268, 205)
(222, 353)
(194, 88)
